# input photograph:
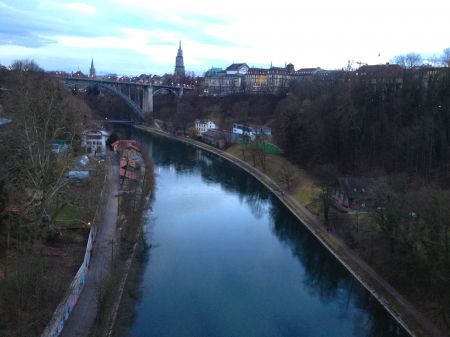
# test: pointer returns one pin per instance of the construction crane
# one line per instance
(351, 62)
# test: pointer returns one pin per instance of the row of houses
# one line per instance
(240, 78)
(210, 134)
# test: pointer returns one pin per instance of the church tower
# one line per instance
(92, 69)
(179, 64)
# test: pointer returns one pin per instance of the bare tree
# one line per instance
(26, 65)
(287, 176)
(42, 112)
(408, 61)
(445, 57)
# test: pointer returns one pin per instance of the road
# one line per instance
(83, 315)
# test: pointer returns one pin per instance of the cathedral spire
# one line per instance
(179, 63)
(92, 69)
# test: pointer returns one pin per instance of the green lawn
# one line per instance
(303, 187)
(69, 215)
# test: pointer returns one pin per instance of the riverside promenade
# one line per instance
(83, 315)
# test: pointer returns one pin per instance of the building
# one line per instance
(94, 141)
(278, 80)
(122, 145)
(384, 74)
(237, 69)
(251, 130)
(179, 63)
(222, 84)
(213, 71)
(256, 81)
(274, 80)
(218, 82)
(202, 126)
(92, 69)
(354, 193)
(59, 146)
(308, 73)
(239, 77)
(79, 74)
(216, 138)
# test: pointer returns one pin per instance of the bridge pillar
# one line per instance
(181, 92)
(147, 100)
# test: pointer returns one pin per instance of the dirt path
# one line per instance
(401, 309)
(83, 315)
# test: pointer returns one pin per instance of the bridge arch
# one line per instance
(139, 107)
(132, 104)
(173, 92)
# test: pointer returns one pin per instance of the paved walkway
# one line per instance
(83, 315)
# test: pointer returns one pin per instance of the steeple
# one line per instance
(92, 69)
(179, 63)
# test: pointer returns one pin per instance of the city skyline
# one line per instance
(133, 37)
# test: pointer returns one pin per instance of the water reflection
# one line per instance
(312, 295)
(330, 280)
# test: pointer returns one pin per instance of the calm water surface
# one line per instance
(228, 259)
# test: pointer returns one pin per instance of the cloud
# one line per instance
(80, 7)
(138, 35)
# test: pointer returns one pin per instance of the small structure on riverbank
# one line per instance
(201, 126)
(354, 193)
(218, 138)
(94, 141)
(251, 130)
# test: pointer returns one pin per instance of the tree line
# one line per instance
(32, 183)
(397, 125)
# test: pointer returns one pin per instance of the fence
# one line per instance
(65, 307)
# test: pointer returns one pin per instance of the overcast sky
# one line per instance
(141, 36)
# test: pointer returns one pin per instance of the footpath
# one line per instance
(401, 309)
(85, 311)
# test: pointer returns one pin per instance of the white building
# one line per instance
(94, 141)
(204, 125)
(251, 130)
(237, 69)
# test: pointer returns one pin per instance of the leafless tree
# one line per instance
(445, 57)
(41, 112)
(26, 65)
(287, 176)
(408, 61)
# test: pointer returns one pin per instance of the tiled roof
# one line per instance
(357, 187)
(236, 66)
(257, 71)
(379, 68)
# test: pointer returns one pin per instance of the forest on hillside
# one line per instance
(361, 126)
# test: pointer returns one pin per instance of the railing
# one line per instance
(65, 307)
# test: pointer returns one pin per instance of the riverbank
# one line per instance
(401, 310)
(135, 189)
(84, 313)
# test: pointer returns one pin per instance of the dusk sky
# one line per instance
(137, 36)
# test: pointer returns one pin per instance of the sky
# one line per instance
(131, 37)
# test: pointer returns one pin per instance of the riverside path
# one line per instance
(83, 315)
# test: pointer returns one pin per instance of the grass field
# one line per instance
(303, 187)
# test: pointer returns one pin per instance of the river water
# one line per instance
(228, 259)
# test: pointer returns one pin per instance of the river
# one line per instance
(228, 259)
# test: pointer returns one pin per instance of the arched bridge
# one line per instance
(138, 96)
